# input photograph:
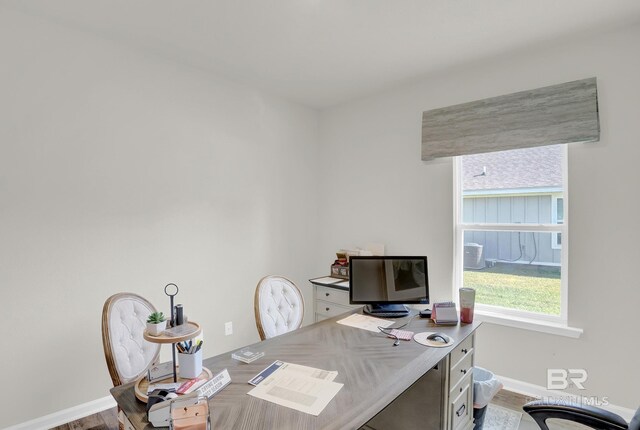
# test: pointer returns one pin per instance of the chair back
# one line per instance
(590, 416)
(128, 354)
(278, 306)
(635, 422)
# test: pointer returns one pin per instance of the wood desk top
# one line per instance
(373, 372)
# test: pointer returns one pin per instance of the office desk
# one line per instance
(374, 374)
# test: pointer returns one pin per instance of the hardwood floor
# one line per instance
(105, 420)
(108, 420)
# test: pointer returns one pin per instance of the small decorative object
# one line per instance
(189, 413)
(156, 323)
(171, 290)
(340, 267)
(179, 314)
(158, 372)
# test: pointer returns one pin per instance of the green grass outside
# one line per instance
(517, 286)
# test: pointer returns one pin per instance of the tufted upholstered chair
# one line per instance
(128, 355)
(278, 305)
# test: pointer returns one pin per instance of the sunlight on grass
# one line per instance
(523, 287)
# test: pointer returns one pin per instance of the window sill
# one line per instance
(528, 324)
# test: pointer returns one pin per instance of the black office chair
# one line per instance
(590, 416)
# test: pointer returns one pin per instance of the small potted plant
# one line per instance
(156, 323)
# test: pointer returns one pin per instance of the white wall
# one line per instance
(375, 188)
(123, 172)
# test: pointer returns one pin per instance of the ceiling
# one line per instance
(325, 52)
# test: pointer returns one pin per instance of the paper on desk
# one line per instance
(279, 366)
(325, 375)
(365, 322)
(295, 390)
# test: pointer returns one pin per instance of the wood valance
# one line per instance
(563, 113)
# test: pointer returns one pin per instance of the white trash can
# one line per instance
(485, 386)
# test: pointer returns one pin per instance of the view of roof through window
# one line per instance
(527, 169)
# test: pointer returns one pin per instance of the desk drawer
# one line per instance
(465, 348)
(462, 407)
(126, 422)
(329, 310)
(332, 295)
(462, 369)
(459, 387)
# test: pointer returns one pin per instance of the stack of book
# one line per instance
(246, 355)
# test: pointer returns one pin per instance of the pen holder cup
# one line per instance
(190, 365)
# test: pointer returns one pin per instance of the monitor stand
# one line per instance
(387, 311)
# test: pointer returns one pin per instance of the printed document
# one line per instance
(302, 388)
(325, 375)
(365, 322)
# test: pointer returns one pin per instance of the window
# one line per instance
(511, 231)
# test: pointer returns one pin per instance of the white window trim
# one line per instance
(533, 324)
(554, 219)
(512, 317)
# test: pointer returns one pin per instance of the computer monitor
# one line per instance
(386, 283)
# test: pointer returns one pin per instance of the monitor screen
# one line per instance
(388, 280)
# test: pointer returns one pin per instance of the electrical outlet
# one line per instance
(228, 328)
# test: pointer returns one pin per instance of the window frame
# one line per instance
(460, 227)
(555, 242)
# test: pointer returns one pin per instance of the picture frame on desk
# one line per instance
(338, 271)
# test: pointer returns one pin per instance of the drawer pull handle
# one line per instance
(464, 371)
(461, 389)
(460, 411)
(326, 294)
(327, 309)
(464, 351)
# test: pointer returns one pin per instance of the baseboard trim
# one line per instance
(537, 391)
(67, 415)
